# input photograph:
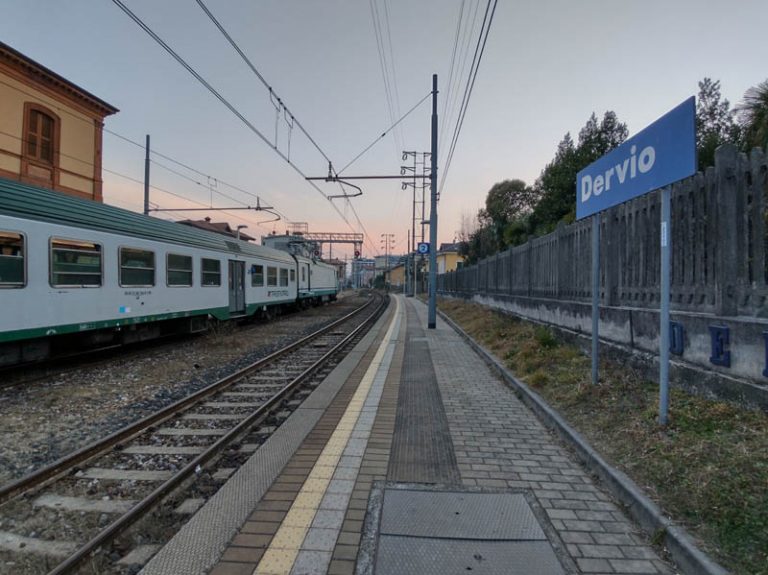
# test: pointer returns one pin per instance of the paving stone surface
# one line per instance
(500, 443)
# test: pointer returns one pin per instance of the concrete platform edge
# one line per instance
(640, 507)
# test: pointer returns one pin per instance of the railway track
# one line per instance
(91, 508)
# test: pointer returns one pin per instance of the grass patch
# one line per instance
(708, 469)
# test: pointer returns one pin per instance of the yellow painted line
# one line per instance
(281, 554)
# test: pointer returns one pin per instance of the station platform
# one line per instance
(412, 457)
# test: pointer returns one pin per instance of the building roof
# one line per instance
(217, 227)
(49, 78)
(453, 247)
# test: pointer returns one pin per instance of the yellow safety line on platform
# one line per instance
(281, 554)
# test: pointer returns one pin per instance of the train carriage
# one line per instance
(72, 266)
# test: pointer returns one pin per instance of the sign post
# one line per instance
(661, 154)
(595, 292)
(666, 234)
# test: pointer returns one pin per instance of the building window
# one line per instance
(271, 276)
(178, 270)
(75, 263)
(283, 277)
(211, 273)
(137, 268)
(257, 275)
(11, 259)
(40, 136)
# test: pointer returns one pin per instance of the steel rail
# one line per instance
(142, 507)
(64, 464)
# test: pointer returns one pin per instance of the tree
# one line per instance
(481, 244)
(715, 123)
(556, 186)
(753, 116)
(506, 202)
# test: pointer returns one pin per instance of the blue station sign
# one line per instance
(662, 153)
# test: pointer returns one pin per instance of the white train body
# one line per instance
(70, 266)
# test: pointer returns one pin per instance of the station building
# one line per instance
(50, 128)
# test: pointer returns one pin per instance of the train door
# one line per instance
(236, 287)
(304, 278)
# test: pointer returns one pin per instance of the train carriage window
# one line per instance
(75, 263)
(303, 274)
(293, 276)
(11, 260)
(137, 268)
(257, 275)
(179, 270)
(271, 276)
(211, 273)
(283, 277)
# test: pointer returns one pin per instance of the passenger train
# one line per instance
(80, 273)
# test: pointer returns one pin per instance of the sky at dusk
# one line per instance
(546, 67)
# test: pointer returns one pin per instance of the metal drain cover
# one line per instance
(427, 531)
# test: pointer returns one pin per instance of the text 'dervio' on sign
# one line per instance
(661, 154)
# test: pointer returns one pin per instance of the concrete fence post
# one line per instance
(730, 230)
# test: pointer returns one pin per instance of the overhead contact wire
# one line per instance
(223, 100)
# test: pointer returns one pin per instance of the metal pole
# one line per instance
(413, 226)
(595, 293)
(666, 233)
(432, 312)
(405, 267)
(146, 179)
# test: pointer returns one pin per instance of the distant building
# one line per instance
(362, 272)
(50, 129)
(222, 228)
(383, 263)
(448, 258)
(397, 276)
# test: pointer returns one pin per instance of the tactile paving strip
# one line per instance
(422, 449)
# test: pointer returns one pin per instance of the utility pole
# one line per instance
(419, 175)
(432, 311)
(389, 242)
(146, 179)
(406, 265)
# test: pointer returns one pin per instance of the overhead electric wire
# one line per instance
(395, 90)
(196, 171)
(453, 54)
(223, 100)
(453, 89)
(269, 87)
(385, 132)
(260, 76)
(468, 90)
(449, 92)
(380, 45)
